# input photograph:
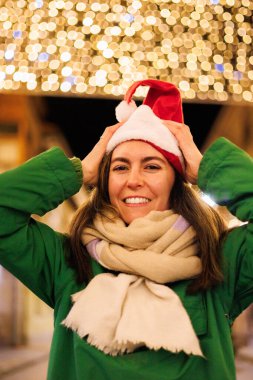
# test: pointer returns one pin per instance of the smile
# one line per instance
(136, 200)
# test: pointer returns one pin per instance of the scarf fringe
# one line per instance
(126, 346)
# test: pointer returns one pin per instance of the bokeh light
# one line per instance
(99, 48)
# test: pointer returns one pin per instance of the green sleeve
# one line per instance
(226, 174)
(31, 250)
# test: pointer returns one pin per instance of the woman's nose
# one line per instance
(135, 178)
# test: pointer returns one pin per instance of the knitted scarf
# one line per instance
(121, 312)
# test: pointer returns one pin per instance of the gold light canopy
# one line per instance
(98, 48)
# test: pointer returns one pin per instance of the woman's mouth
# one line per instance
(136, 200)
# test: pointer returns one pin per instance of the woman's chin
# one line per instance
(133, 214)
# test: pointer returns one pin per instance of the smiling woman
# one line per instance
(140, 180)
(149, 280)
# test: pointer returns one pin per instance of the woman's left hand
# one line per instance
(191, 153)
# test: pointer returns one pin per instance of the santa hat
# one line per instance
(163, 101)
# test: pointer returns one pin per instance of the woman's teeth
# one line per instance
(136, 200)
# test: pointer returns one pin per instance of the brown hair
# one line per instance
(184, 200)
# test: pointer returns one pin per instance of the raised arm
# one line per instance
(28, 248)
(226, 174)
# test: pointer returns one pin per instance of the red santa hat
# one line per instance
(163, 101)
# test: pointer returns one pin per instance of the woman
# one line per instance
(156, 310)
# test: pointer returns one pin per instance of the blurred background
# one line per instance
(64, 67)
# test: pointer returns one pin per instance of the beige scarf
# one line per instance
(119, 313)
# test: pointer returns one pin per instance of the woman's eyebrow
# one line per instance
(145, 159)
(151, 158)
(122, 159)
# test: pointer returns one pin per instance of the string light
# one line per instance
(99, 48)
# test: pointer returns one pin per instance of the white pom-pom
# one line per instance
(124, 110)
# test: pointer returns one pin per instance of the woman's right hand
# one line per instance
(91, 162)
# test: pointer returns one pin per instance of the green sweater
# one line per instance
(35, 254)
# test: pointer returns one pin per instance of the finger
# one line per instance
(100, 147)
(179, 130)
(92, 160)
(172, 122)
(175, 124)
(107, 134)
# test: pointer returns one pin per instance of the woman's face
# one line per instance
(140, 180)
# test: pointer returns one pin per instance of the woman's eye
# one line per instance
(152, 167)
(119, 168)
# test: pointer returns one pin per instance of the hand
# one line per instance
(91, 162)
(189, 149)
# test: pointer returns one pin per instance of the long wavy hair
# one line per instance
(184, 200)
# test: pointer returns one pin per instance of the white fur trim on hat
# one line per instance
(144, 125)
(124, 110)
